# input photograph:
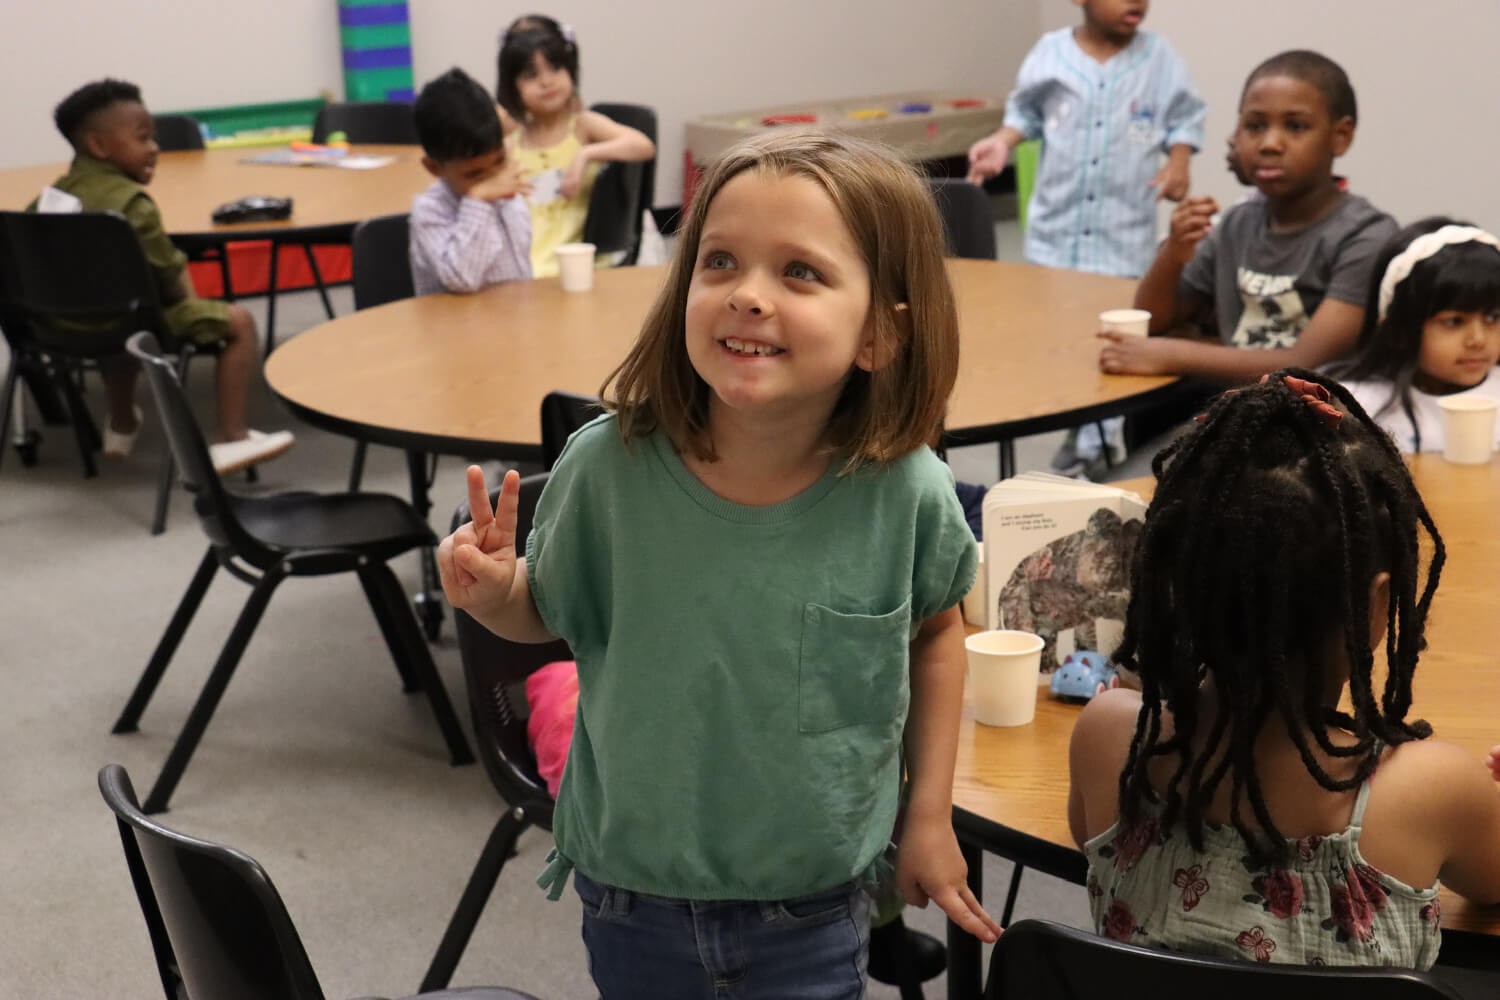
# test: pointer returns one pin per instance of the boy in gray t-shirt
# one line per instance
(1281, 278)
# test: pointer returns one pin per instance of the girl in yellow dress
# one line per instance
(558, 144)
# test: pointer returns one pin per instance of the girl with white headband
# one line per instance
(1431, 329)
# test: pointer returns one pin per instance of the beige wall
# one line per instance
(684, 57)
(182, 54)
(688, 57)
(1424, 76)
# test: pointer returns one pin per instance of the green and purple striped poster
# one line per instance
(376, 40)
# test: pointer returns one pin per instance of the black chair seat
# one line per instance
(378, 525)
(290, 534)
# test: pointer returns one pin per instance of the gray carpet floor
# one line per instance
(316, 763)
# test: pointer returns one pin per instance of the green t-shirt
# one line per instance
(743, 671)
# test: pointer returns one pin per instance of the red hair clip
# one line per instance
(1314, 395)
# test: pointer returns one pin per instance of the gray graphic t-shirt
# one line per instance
(1266, 285)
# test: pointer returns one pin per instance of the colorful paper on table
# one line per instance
(293, 158)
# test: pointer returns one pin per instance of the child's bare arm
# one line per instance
(606, 139)
(987, 157)
(479, 568)
(1160, 291)
(1173, 179)
(1472, 868)
(930, 865)
(1328, 336)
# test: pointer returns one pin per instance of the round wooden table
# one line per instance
(465, 374)
(327, 203)
(189, 185)
(1010, 791)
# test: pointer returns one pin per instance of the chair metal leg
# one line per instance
(8, 398)
(224, 279)
(271, 299)
(357, 467)
(404, 624)
(377, 601)
(1010, 894)
(168, 465)
(1007, 458)
(499, 847)
(78, 414)
(186, 608)
(213, 690)
(312, 263)
(965, 978)
(429, 601)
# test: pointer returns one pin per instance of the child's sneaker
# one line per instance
(118, 445)
(258, 446)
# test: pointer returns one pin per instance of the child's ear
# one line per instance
(1343, 135)
(93, 144)
(873, 354)
(432, 166)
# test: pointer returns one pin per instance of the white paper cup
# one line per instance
(1004, 672)
(1132, 321)
(1468, 428)
(575, 266)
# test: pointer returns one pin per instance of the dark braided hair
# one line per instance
(1266, 529)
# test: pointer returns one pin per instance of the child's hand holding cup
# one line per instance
(1133, 322)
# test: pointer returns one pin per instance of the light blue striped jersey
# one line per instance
(1103, 129)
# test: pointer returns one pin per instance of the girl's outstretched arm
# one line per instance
(479, 568)
(930, 865)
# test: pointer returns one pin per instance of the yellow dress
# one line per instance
(555, 220)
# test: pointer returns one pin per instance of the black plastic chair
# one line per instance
(382, 273)
(175, 133)
(86, 267)
(1040, 960)
(967, 219)
(622, 191)
(562, 414)
(495, 670)
(387, 122)
(218, 927)
(264, 540)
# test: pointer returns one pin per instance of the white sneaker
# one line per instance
(231, 456)
(117, 445)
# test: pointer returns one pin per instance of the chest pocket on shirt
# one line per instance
(852, 668)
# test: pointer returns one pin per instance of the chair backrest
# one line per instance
(87, 267)
(189, 449)
(562, 414)
(217, 924)
(967, 219)
(388, 122)
(495, 672)
(177, 132)
(1039, 960)
(382, 261)
(622, 191)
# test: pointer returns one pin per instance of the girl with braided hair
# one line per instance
(1230, 807)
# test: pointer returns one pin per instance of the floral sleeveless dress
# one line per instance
(1327, 907)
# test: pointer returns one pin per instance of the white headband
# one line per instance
(1420, 249)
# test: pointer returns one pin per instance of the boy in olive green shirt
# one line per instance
(113, 139)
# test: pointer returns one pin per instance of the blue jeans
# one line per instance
(810, 948)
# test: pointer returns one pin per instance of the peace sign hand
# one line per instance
(477, 563)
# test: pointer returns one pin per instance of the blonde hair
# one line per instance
(882, 414)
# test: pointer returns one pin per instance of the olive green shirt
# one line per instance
(743, 671)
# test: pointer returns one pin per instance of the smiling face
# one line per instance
(778, 309)
(544, 87)
(1459, 349)
(1285, 140)
(124, 135)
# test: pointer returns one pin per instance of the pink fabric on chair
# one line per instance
(552, 693)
